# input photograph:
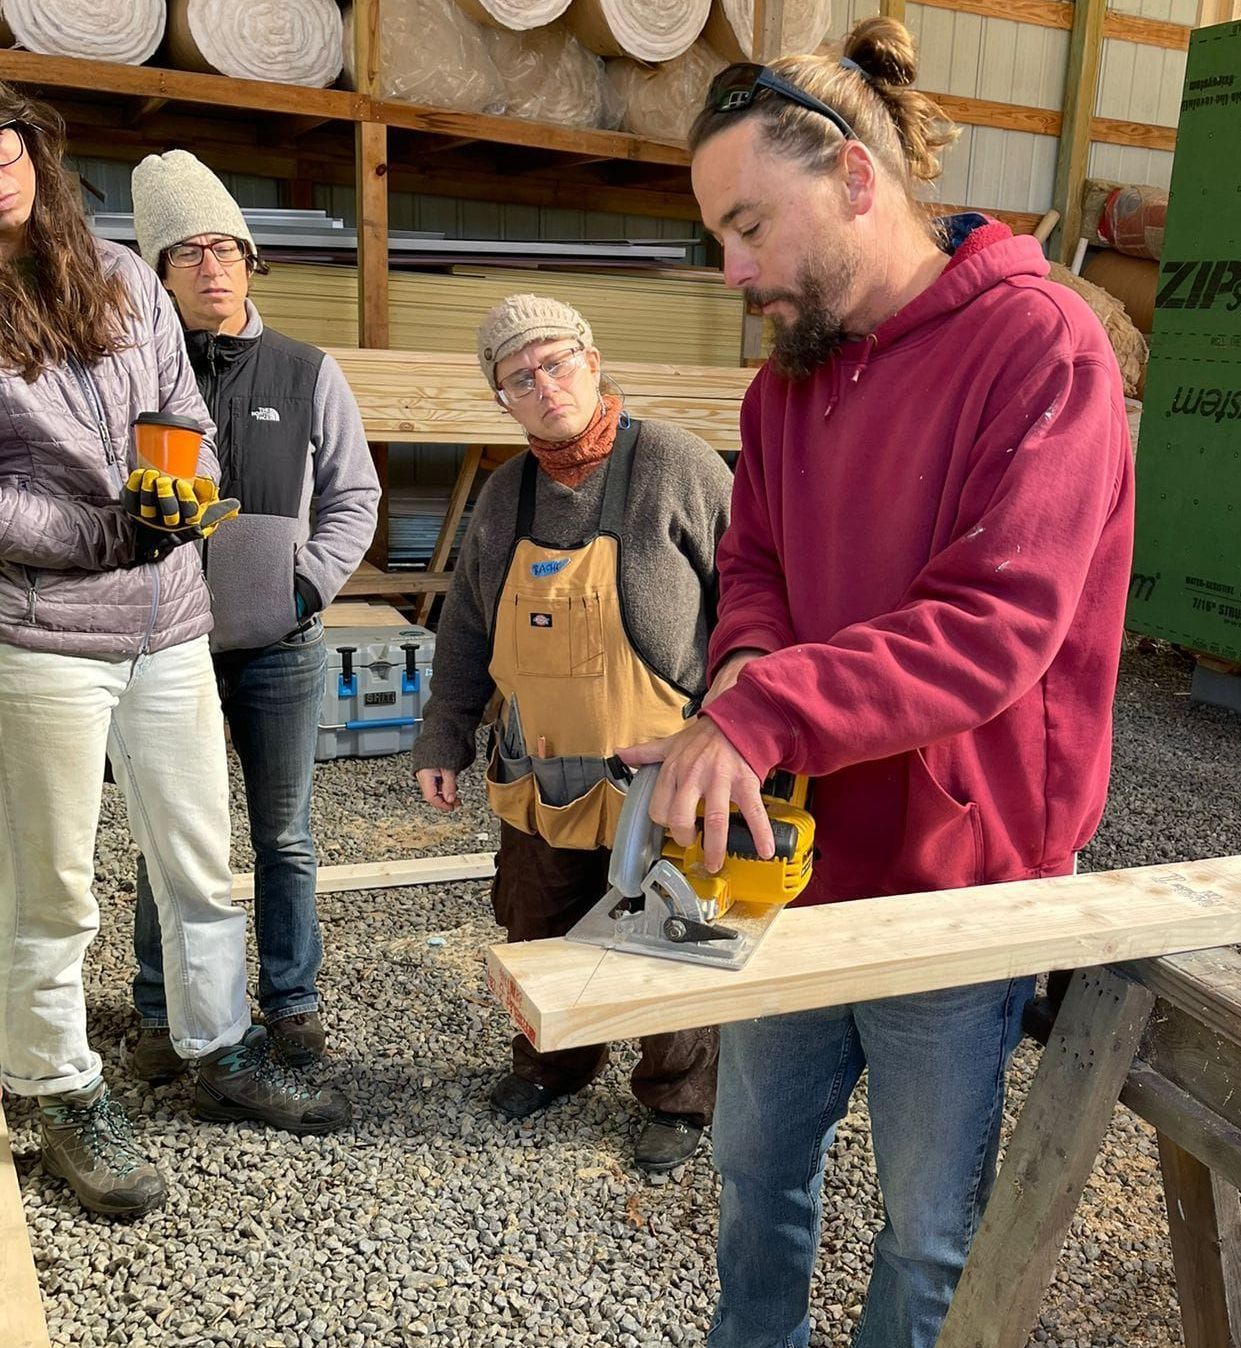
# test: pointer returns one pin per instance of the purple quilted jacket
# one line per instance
(65, 452)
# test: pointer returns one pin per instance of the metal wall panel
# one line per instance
(1173, 11)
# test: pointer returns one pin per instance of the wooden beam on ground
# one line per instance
(562, 994)
(1081, 91)
(21, 1309)
(1204, 1222)
(1048, 1162)
(390, 874)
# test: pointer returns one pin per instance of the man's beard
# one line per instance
(817, 333)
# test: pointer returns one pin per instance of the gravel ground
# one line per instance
(434, 1222)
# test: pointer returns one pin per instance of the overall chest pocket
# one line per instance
(558, 637)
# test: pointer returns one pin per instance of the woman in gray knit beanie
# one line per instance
(580, 607)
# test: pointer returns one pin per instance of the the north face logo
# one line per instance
(265, 414)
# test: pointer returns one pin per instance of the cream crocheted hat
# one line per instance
(522, 319)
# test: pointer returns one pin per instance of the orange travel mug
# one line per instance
(167, 443)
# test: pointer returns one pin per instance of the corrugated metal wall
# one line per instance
(976, 57)
(1138, 83)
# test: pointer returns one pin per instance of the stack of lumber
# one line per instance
(638, 318)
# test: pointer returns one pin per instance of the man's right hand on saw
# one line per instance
(170, 511)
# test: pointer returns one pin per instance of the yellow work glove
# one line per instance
(170, 511)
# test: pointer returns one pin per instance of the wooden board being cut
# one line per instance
(562, 995)
(21, 1310)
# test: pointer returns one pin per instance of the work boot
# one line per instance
(87, 1141)
(667, 1141)
(300, 1037)
(254, 1080)
(517, 1098)
(154, 1058)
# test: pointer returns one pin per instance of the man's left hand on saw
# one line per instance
(700, 764)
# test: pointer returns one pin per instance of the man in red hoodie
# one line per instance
(922, 598)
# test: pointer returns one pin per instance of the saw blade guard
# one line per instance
(639, 840)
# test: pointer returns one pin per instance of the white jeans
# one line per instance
(158, 719)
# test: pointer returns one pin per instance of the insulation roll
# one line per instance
(290, 41)
(661, 103)
(431, 53)
(125, 31)
(730, 27)
(515, 14)
(1133, 280)
(649, 30)
(550, 77)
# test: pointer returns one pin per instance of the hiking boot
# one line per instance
(254, 1080)
(87, 1141)
(517, 1098)
(300, 1037)
(154, 1058)
(667, 1141)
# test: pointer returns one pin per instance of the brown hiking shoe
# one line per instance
(300, 1037)
(87, 1141)
(154, 1058)
(254, 1080)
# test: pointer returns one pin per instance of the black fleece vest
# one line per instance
(260, 393)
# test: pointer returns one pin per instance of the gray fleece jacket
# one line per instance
(678, 503)
(65, 452)
(293, 451)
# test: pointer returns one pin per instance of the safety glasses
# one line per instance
(737, 86)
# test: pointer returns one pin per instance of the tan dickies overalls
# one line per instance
(573, 689)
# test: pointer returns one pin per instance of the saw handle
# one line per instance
(741, 840)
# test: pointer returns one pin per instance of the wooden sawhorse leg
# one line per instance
(448, 530)
(1048, 1161)
(1204, 1219)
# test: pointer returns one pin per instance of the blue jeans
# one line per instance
(271, 699)
(935, 1066)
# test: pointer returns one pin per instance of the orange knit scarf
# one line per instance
(571, 462)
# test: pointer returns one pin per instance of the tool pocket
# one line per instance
(543, 646)
(510, 790)
(577, 802)
(559, 637)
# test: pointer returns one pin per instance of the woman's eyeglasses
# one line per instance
(191, 254)
(738, 86)
(12, 142)
(560, 367)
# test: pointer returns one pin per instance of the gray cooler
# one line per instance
(377, 684)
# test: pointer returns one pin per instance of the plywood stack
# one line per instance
(639, 318)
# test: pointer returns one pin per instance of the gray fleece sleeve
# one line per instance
(346, 492)
(461, 687)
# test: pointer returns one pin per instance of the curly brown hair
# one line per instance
(55, 302)
(904, 129)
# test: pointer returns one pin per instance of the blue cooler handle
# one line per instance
(409, 679)
(348, 685)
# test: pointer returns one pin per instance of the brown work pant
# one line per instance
(541, 891)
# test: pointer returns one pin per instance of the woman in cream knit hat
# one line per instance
(580, 607)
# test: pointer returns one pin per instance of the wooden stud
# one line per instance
(893, 9)
(768, 29)
(1217, 11)
(1081, 88)
(1048, 1162)
(887, 947)
(1044, 13)
(390, 874)
(21, 1308)
(1204, 1222)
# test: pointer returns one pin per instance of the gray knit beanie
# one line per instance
(176, 196)
(522, 319)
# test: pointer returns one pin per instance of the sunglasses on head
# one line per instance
(737, 87)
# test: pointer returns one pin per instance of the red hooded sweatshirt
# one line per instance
(931, 537)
